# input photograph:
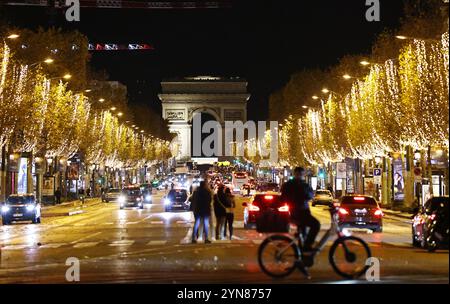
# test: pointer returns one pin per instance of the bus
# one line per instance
(239, 179)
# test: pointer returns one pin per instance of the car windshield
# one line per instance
(322, 192)
(358, 200)
(178, 194)
(132, 192)
(20, 199)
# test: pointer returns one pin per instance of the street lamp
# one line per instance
(13, 36)
(305, 107)
(315, 97)
(364, 62)
(325, 91)
(66, 77)
(120, 114)
(402, 37)
(47, 61)
(113, 108)
(101, 99)
(88, 90)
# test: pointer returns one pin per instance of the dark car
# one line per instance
(265, 206)
(322, 197)
(21, 207)
(176, 199)
(430, 227)
(360, 211)
(131, 197)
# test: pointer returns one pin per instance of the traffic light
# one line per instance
(321, 173)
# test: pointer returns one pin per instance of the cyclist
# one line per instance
(298, 193)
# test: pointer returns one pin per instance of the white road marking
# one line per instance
(108, 223)
(188, 238)
(14, 247)
(157, 222)
(161, 242)
(80, 224)
(122, 243)
(238, 224)
(131, 223)
(85, 244)
(86, 237)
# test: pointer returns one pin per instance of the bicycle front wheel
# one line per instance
(348, 256)
(278, 255)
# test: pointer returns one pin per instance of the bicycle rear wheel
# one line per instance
(348, 256)
(278, 255)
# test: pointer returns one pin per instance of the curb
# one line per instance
(69, 213)
(390, 213)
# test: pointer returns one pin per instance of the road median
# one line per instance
(69, 209)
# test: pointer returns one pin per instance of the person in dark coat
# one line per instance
(220, 212)
(298, 194)
(58, 196)
(230, 204)
(202, 207)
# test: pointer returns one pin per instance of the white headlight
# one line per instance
(138, 199)
(148, 198)
(167, 201)
(121, 199)
(5, 209)
(30, 207)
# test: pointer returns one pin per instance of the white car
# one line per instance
(322, 197)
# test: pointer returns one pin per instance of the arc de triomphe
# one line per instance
(225, 99)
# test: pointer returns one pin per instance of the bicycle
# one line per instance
(289, 255)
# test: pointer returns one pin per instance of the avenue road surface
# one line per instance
(153, 246)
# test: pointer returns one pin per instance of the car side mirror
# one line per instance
(244, 204)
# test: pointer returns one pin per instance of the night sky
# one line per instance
(262, 41)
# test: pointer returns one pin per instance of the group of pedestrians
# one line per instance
(202, 202)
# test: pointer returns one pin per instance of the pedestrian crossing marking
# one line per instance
(122, 243)
(157, 222)
(85, 244)
(14, 247)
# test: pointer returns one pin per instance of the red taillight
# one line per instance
(284, 208)
(433, 216)
(253, 208)
(378, 212)
(342, 211)
(359, 198)
(268, 197)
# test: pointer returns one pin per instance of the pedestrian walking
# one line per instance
(220, 212)
(230, 205)
(202, 207)
(58, 196)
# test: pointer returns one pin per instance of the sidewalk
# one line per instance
(404, 215)
(69, 208)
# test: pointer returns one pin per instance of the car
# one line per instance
(322, 197)
(112, 195)
(21, 207)
(267, 186)
(131, 196)
(360, 211)
(263, 203)
(430, 227)
(176, 199)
